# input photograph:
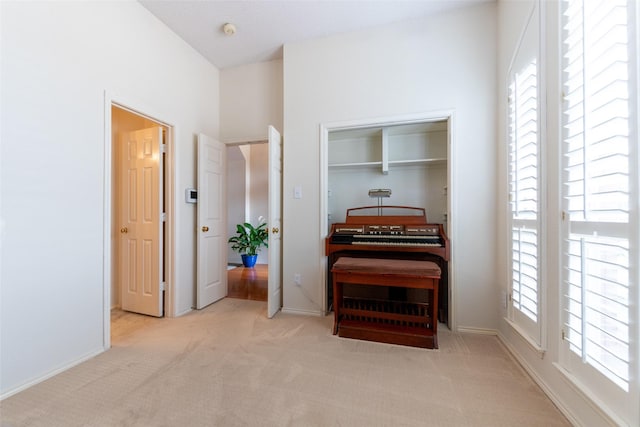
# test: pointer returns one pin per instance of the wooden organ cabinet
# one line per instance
(375, 262)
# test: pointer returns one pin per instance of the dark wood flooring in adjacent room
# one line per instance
(248, 283)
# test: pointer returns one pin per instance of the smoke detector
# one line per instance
(229, 29)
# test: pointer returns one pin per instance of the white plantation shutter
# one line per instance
(525, 272)
(596, 191)
(524, 176)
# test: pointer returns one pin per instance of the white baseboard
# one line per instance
(538, 380)
(520, 333)
(303, 312)
(594, 402)
(50, 374)
(480, 331)
(182, 313)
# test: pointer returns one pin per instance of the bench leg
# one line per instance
(337, 303)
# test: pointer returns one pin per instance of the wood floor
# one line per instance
(248, 283)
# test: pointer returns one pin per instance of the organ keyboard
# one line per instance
(430, 237)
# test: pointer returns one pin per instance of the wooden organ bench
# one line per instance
(386, 320)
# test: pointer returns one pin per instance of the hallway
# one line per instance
(248, 283)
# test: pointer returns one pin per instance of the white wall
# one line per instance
(446, 62)
(237, 176)
(58, 58)
(250, 100)
(259, 190)
(417, 186)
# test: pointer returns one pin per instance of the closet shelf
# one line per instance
(409, 162)
(437, 161)
(355, 164)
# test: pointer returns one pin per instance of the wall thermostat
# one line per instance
(191, 195)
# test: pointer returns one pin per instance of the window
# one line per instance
(524, 183)
(597, 193)
(523, 159)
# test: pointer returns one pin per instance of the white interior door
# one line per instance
(275, 222)
(211, 222)
(140, 230)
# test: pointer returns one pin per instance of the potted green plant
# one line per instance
(249, 240)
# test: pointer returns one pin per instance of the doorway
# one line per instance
(247, 190)
(141, 195)
(247, 201)
(249, 283)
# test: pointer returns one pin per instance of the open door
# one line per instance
(140, 244)
(275, 222)
(211, 222)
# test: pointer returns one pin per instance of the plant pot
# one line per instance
(249, 260)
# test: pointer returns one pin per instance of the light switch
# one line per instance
(297, 192)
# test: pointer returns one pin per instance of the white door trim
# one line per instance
(431, 116)
(274, 226)
(140, 109)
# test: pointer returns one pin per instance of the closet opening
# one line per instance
(140, 263)
(400, 162)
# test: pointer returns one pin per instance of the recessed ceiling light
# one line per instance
(229, 29)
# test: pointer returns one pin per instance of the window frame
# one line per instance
(620, 404)
(532, 331)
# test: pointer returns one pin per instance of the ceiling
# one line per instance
(264, 26)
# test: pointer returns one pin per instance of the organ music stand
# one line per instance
(379, 193)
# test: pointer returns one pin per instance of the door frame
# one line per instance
(274, 209)
(432, 116)
(140, 109)
(247, 201)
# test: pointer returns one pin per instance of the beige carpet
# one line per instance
(228, 365)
